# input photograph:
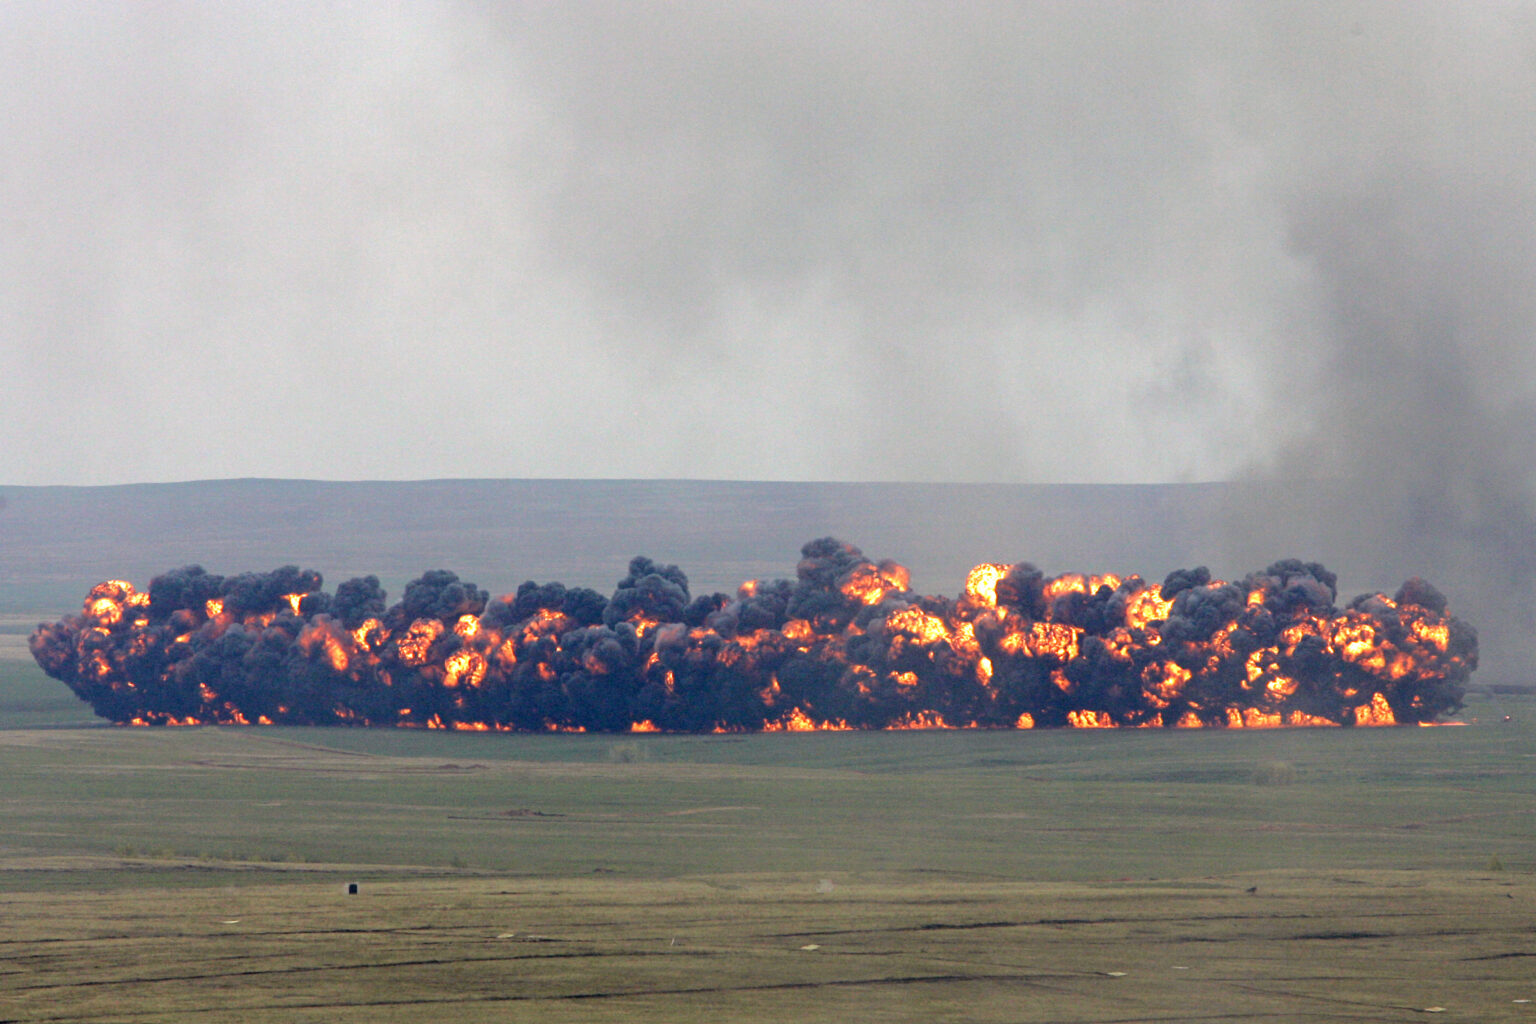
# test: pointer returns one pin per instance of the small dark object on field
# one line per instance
(1252, 888)
(351, 888)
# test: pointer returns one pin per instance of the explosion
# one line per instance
(846, 645)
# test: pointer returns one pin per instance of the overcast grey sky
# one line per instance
(873, 241)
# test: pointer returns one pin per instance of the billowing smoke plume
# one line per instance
(846, 644)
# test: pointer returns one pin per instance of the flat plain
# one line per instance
(170, 875)
(202, 874)
(175, 875)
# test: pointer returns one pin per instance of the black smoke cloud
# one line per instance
(1286, 238)
(846, 643)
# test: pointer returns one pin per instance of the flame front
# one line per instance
(848, 645)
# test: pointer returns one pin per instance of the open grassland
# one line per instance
(1061, 805)
(179, 875)
(1342, 946)
(201, 875)
(28, 698)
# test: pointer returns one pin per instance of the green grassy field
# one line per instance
(1348, 946)
(179, 875)
(1058, 806)
(201, 875)
(30, 700)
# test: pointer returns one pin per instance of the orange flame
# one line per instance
(418, 640)
(981, 583)
(872, 584)
(1098, 652)
(1147, 606)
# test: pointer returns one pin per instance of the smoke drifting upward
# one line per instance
(846, 644)
(1422, 397)
(1127, 242)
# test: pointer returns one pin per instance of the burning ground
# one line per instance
(847, 644)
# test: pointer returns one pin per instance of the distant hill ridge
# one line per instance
(55, 542)
(59, 540)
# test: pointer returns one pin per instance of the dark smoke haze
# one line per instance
(1283, 242)
(847, 643)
